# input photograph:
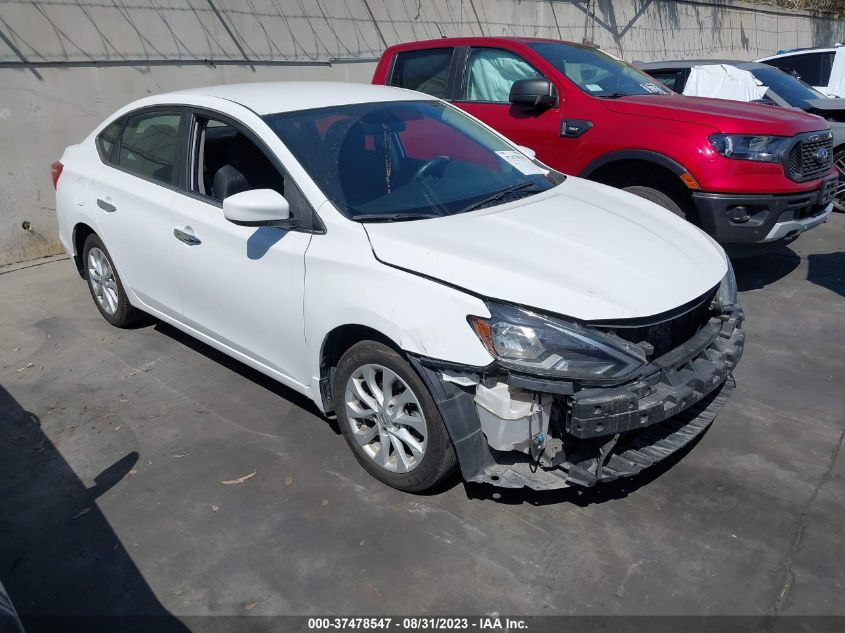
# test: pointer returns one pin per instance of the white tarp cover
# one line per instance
(836, 85)
(721, 81)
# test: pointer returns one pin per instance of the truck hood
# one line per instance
(726, 116)
(582, 250)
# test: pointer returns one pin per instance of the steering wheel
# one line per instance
(429, 165)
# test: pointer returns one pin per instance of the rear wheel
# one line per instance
(106, 287)
(658, 197)
(390, 420)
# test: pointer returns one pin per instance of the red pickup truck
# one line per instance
(745, 173)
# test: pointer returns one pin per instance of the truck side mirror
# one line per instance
(533, 93)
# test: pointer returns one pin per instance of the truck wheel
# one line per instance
(839, 196)
(390, 420)
(106, 287)
(658, 197)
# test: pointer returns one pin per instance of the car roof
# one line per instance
(287, 96)
(689, 63)
(492, 39)
(802, 51)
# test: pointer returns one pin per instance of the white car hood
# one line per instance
(582, 250)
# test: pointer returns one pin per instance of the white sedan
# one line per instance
(456, 303)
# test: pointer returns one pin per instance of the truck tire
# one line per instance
(839, 196)
(390, 420)
(658, 197)
(106, 286)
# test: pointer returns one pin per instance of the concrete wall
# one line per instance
(67, 64)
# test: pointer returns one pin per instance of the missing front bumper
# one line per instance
(600, 435)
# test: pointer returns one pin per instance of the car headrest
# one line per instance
(227, 182)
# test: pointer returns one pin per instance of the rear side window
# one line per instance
(107, 139)
(811, 68)
(426, 71)
(148, 145)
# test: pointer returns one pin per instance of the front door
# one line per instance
(241, 286)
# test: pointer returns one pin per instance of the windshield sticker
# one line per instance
(594, 87)
(522, 163)
(652, 88)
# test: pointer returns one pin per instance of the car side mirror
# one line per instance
(533, 93)
(257, 207)
(527, 151)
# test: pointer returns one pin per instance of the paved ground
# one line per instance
(114, 444)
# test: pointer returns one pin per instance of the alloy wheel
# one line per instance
(102, 280)
(386, 418)
(839, 196)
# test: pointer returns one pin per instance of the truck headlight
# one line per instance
(544, 345)
(766, 149)
(726, 296)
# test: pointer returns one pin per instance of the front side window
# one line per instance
(491, 72)
(407, 159)
(148, 145)
(672, 79)
(595, 72)
(227, 161)
(426, 71)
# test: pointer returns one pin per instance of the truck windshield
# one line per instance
(794, 92)
(407, 160)
(597, 73)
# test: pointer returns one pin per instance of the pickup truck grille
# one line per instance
(664, 335)
(810, 157)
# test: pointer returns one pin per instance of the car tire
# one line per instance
(658, 197)
(407, 422)
(839, 196)
(106, 286)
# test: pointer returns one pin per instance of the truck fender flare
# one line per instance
(633, 154)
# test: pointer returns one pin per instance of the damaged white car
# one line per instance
(454, 302)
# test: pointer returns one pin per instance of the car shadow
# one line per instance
(828, 270)
(270, 384)
(59, 556)
(754, 273)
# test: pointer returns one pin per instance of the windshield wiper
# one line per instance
(498, 195)
(393, 217)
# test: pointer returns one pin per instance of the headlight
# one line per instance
(539, 344)
(766, 149)
(726, 296)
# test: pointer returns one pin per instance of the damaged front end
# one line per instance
(514, 428)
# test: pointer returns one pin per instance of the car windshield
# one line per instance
(597, 73)
(407, 160)
(787, 87)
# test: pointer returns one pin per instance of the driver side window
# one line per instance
(227, 161)
(491, 72)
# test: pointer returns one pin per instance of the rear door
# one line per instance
(132, 196)
(483, 90)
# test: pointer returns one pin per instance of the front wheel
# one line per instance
(658, 197)
(390, 420)
(839, 196)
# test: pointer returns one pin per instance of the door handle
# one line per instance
(106, 206)
(188, 238)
